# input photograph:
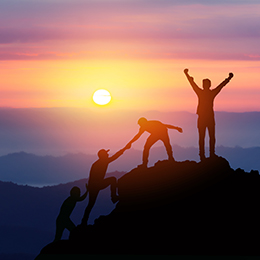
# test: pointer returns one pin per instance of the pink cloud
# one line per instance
(169, 29)
(126, 54)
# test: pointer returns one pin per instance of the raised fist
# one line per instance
(180, 129)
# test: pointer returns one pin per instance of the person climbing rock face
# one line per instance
(97, 180)
(63, 220)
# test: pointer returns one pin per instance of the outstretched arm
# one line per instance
(223, 84)
(174, 127)
(191, 80)
(136, 137)
(85, 194)
(128, 146)
(118, 154)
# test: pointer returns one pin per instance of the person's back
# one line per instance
(98, 171)
(158, 131)
(206, 103)
(67, 207)
(154, 127)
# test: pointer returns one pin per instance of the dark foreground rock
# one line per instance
(177, 208)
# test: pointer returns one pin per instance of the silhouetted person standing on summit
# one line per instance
(158, 131)
(98, 182)
(205, 111)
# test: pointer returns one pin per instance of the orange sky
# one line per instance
(57, 53)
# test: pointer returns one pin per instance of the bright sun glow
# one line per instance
(101, 97)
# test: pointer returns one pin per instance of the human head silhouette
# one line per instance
(142, 121)
(103, 154)
(206, 83)
(75, 192)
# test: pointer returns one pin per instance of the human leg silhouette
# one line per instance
(59, 230)
(202, 132)
(93, 193)
(92, 199)
(151, 140)
(61, 224)
(167, 144)
(212, 139)
(112, 182)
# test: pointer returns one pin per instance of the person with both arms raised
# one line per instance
(205, 111)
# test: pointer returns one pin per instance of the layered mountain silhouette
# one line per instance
(57, 130)
(28, 214)
(177, 208)
(31, 169)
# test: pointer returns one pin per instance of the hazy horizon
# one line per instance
(57, 131)
(58, 53)
(39, 171)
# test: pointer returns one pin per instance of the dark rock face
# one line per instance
(179, 208)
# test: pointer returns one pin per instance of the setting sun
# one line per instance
(102, 97)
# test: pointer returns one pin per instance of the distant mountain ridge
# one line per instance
(57, 131)
(28, 214)
(30, 169)
(25, 168)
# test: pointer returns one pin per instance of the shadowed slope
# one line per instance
(175, 208)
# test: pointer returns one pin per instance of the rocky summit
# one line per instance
(176, 208)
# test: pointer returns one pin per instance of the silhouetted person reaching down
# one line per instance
(158, 131)
(205, 111)
(98, 182)
(63, 220)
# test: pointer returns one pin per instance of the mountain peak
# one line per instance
(175, 208)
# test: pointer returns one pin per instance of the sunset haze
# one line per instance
(58, 53)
